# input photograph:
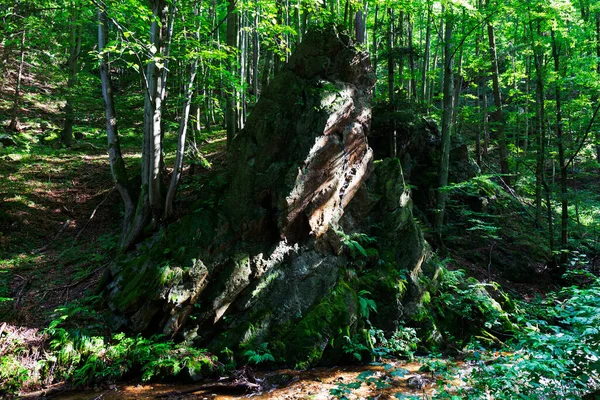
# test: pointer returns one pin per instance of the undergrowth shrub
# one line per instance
(90, 354)
(84, 357)
(555, 355)
(12, 374)
(458, 308)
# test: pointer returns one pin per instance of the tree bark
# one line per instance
(14, 121)
(374, 51)
(150, 205)
(183, 125)
(564, 226)
(598, 71)
(232, 43)
(541, 128)
(391, 81)
(448, 103)
(74, 51)
(117, 165)
(497, 115)
(255, 56)
(359, 26)
(411, 58)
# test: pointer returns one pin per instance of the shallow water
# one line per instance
(384, 381)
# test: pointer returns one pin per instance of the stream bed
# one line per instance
(389, 380)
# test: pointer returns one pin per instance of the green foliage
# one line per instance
(366, 305)
(460, 307)
(81, 351)
(302, 343)
(85, 359)
(555, 355)
(356, 346)
(12, 374)
(356, 243)
(402, 343)
(371, 377)
(259, 355)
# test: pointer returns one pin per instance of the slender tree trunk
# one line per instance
(240, 99)
(117, 165)
(297, 22)
(399, 43)
(479, 104)
(457, 84)
(598, 70)
(359, 26)
(497, 115)
(74, 51)
(255, 57)
(374, 51)
(160, 38)
(232, 43)
(411, 58)
(266, 73)
(183, 124)
(390, 48)
(150, 206)
(391, 79)
(424, 72)
(564, 226)
(550, 218)
(540, 118)
(14, 121)
(448, 103)
(279, 40)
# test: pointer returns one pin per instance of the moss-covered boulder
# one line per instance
(285, 258)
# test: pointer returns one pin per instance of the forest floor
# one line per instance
(59, 213)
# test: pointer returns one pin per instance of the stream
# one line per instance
(390, 380)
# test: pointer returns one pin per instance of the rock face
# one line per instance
(419, 147)
(304, 151)
(276, 260)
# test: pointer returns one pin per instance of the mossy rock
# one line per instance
(317, 336)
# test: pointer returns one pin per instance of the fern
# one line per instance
(365, 304)
(355, 242)
(259, 355)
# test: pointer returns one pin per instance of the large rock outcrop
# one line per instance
(304, 151)
(269, 255)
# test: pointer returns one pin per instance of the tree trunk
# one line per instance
(374, 51)
(150, 206)
(14, 121)
(448, 103)
(564, 226)
(390, 48)
(391, 79)
(74, 51)
(183, 124)
(541, 128)
(497, 115)
(399, 43)
(411, 59)
(117, 165)
(359, 26)
(424, 72)
(232, 43)
(598, 70)
(479, 105)
(255, 58)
